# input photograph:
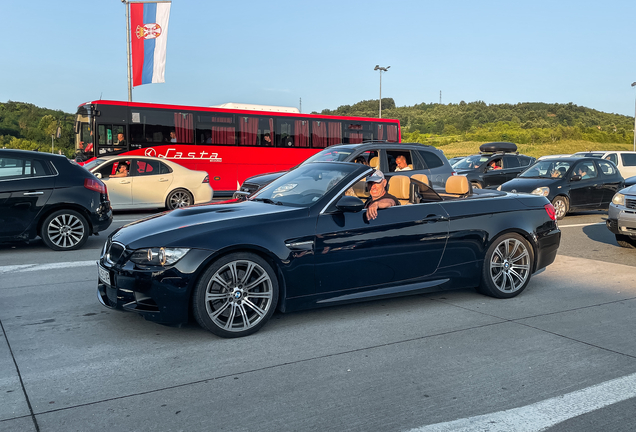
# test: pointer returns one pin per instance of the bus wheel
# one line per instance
(179, 198)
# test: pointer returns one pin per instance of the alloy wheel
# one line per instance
(510, 265)
(65, 231)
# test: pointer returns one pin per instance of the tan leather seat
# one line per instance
(422, 178)
(458, 185)
(360, 189)
(400, 187)
(374, 162)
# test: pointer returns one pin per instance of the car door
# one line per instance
(119, 188)
(151, 180)
(494, 177)
(511, 167)
(610, 179)
(588, 191)
(26, 185)
(402, 244)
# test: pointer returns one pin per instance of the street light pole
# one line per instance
(381, 69)
(633, 85)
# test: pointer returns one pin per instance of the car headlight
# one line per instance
(158, 256)
(543, 191)
(618, 199)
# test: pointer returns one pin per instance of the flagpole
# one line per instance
(128, 47)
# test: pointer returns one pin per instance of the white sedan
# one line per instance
(135, 182)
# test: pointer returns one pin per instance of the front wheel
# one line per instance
(507, 266)
(561, 206)
(236, 295)
(179, 198)
(65, 230)
(625, 241)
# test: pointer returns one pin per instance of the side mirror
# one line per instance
(576, 177)
(350, 204)
(98, 175)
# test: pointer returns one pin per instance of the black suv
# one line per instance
(496, 163)
(49, 196)
(419, 159)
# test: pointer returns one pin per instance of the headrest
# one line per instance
(400, 186)
(422, 178)
(457, 185)
(374, 162)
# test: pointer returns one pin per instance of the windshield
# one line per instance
(547, 169)
(92, 164)
(305, 185)
(330, 155)
(471, 162)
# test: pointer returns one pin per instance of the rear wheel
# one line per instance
(507, 266)
(561, 206)
(236, 295)
(179, 198)
(65, 230)
(476, 185)
(625, 241)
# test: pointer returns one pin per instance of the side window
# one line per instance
(11, 168)
(164, 169)
(430, 159)
(147, 167)
(368, 157)
(111, 137)
(116, 169)
(399, 160)
(151, 127)
(629, 159)
(510, 162)
(218, 129)
(586, 170)
(612, 157)
(607, 168)
(524, 160)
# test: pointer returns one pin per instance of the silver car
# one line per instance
(622, 217)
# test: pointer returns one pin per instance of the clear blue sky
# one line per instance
(60, 53)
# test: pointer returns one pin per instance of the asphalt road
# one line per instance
(561, 356)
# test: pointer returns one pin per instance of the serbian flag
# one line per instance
(148, 40)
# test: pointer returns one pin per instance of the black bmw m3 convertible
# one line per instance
(305, 241)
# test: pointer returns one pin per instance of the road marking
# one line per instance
(38, 267)
(587, 224)
(544, 414)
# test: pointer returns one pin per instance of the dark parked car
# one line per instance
(49, 196)
(304, 242)
(420, 159)
(496, 163)
(621, 217)
(570, 183)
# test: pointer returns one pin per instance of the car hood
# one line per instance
(464, 171)
(631, 190)
(263, 179)
(185, 226)
(526, 184)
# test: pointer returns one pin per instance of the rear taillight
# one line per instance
(95, 185)
(206, 179)
(549, 209)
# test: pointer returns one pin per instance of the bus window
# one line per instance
(391, 133)
(318, 134)
(335, 132)
(150, 127)
(111, 138)
(216, 129)
(357, 132)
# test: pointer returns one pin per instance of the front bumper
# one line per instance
(159, 294)
(621, 220)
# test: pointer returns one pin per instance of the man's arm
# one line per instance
(372, 211)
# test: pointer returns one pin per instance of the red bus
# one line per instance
(231, 144)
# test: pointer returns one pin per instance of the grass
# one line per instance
(536, 150)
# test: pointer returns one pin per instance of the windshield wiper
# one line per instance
(267, 201)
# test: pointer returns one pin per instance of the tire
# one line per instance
(179, 198)
(507, 266)
(625, 241)
(476, 185)
(561, 206)
(65, 230)
(236, 295)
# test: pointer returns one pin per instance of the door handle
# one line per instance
(124, 182)
(433, 218)
(33, 193)
(163, 179)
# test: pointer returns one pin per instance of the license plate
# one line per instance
(104, 275)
